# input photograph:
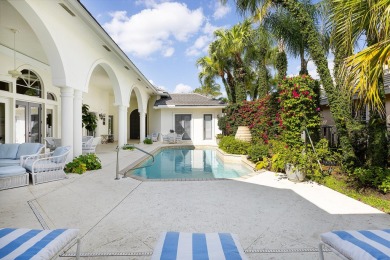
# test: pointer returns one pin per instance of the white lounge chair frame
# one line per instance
(46, 167)
(90, 146)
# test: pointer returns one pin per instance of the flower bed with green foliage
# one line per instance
(83, 163)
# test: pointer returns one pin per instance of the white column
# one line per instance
(142, 130)
(67, 118)
(77, 123)
(122, 125)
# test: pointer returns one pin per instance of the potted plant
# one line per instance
(295, 158)
(89, 119)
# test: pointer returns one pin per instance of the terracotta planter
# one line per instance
(294, 174)
(244, 134)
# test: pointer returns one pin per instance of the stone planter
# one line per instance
(244, 134)
(294, 174)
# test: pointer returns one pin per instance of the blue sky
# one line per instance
(165, 38)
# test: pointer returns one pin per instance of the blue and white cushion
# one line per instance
(212, 246)
(359, 245)
(21, 243)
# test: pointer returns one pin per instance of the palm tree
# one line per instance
(362, 73)
(318, 54)
(351, 20)
(209, 88)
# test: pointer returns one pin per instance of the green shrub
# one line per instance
(75, 166)
(277, 163)
(256, 152)
(83, 163)
(92, 162)
(128, 147)
(263, 164)
(148, 141)
(230, 145)
(375, 177)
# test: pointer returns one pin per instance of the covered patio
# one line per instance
(122, 219)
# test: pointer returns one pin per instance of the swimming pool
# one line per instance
(189, 164)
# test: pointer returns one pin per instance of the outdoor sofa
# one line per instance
(10, 154)
(12, 174)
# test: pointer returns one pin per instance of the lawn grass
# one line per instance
(369, 198)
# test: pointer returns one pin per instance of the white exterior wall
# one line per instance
(154, 117)
(197, 135)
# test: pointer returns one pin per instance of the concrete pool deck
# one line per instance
(124, 217)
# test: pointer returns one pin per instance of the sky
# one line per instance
(164, 38)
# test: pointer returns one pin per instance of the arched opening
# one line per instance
(100, 99)
(135, 126)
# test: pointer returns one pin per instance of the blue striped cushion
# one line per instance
(198, 246)
(363, 244)
(21, 243)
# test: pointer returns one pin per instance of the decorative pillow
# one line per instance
(28, 149)
(60, 151)
(8, 151)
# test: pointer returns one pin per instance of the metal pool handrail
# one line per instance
(117, 160)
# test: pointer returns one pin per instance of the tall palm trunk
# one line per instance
(240, 74)
(263, 76)
(303, 70)
(317, 52)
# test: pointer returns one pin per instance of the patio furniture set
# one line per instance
(17, 161)
(172, 138)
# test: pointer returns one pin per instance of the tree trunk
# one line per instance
(303, 70)
(281, 65)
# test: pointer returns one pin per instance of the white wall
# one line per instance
(168, 122)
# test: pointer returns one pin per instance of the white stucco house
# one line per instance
(54, 57)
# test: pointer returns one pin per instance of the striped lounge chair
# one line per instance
(357, 245)
(21, 243)
(183, 246)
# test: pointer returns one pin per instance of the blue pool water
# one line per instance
(189, 164)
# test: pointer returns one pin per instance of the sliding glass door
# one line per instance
(183, 125)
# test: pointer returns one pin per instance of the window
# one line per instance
(208, 127)
(51, 96)
(4, 86)
(29, 84)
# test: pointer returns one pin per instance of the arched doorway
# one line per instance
(135, 124)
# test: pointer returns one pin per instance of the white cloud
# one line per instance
(201, 44)
(159, 87)
(182, 88)
(220, 10)
(154, 29)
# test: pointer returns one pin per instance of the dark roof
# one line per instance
(191, 99)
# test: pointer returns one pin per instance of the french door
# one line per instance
(28, 119)
(183, 125)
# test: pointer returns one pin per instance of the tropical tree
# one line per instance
(209, 88)
(362, 73)
(318, 54)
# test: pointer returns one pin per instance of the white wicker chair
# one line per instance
(154, 137)
(179, 138)
(47, 167)
(90, 146)
(50, 143)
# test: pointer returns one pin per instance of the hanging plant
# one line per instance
(89, 119)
